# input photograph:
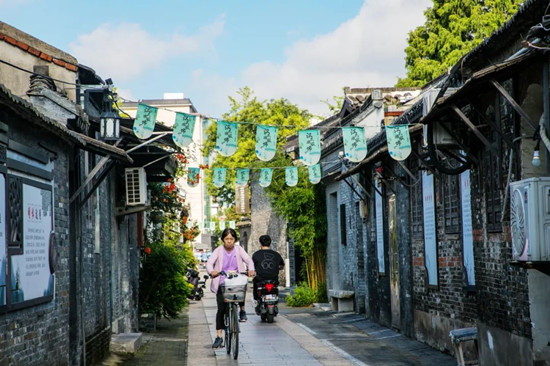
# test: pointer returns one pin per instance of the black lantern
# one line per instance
(109, 124)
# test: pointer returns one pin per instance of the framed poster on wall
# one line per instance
(430, 235)
(30, 277)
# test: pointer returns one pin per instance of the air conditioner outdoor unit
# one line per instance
(530, 219)
(440, 135)
(136, 186)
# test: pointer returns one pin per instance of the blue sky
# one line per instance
(302, 50)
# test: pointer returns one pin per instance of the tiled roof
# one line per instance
(28, 111)
(39, 54)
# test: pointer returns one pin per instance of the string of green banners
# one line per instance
(309, 145)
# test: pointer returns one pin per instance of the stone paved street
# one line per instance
(299, 336)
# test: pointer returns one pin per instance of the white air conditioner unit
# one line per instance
(530, 219)
(136, 186)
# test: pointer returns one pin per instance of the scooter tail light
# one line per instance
(269, 287)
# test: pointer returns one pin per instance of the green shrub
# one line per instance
(303, 296)
(322, 295)
(163, 288)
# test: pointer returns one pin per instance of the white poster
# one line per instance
(30, 272)
(2, 240)
(467, 235)
(380, 229)
(430, 244)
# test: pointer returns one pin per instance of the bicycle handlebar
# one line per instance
(230, 275)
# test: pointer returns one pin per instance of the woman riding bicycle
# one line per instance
(227, 258)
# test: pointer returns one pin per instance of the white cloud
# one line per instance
(366, 51)
(126, 50)
(210, 92)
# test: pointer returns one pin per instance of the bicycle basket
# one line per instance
(234, 289)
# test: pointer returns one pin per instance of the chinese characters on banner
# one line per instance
(242, 177)
(291, 176)
(355, 144)
(379, 228)
(309, 145)
(399, 141)
(467, 230)
(226, 138)
(184, 126)
(314, 172)
(266, 142)
(430, 243)
(144, 124)
(265, 177)
(219, 177)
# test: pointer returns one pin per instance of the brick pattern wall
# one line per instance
(449, 299)
(502, 287)
(38, 335)
(378, 284)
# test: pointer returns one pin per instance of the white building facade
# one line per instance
(200, 204)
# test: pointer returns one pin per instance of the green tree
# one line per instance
(302, 205)
(251, 111)
(452, 29)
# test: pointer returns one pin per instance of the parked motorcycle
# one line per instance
(193, 278)
(268, 294)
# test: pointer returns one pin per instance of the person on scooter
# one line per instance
(226, 258)
(267, 263)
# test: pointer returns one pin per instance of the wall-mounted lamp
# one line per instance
(536, 156)
(109, 123)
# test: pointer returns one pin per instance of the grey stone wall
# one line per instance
(265, 221)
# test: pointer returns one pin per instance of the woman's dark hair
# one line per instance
(228, 231)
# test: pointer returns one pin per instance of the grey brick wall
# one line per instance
(502, 288)
(39, 335)
(346, 263)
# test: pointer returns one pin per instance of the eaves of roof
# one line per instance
(476, 81)
(26, 110)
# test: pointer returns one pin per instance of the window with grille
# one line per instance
(451, 201)
(504, 114)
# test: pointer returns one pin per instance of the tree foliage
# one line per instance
(452, 29)
(251, 111)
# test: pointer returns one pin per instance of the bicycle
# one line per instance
(234, 291)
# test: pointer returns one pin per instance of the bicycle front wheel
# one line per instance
(228, 321)
(234, 332)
